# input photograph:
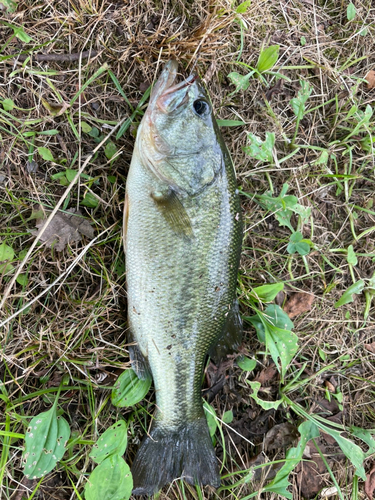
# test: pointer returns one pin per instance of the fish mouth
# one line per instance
(167, 95)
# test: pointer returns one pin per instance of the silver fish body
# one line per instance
(182, 233)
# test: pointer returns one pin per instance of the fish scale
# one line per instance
(182, 241)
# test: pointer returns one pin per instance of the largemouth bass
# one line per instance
(182, 233)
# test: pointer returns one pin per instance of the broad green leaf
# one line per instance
(298, 103)
(85, 127)
(242, 8)
(94, 132)
(20, 33)
(9, 5)
(366, 437)
(129, 389)
(211, 418)
(307, 430)
(111, 480)
(22, 279)
(246, 364)
(266, 405)
(267, 293)
(8, 104)
(347, 296)
(351, 12)
(261, 150)
(303, 41)
(230, 123)
(6, 253)
(274, 328)
(228, 417)
(45, 153)
(268, 58)
(112, 179)
(112, 442)
(352, 451)
(351, 256)
(45, 443)
(90, 201)
(110, 150)
(240, 81)
(70, 174)
(323, 159)
(297, 244)
(283, 206)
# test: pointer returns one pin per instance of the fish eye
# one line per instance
(201, 108)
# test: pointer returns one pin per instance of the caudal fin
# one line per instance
(164, 456)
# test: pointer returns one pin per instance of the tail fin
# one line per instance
(185, 453)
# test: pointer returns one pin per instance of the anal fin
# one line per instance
(231, 336)
(139, 363)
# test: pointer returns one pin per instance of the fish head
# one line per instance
(182, 134)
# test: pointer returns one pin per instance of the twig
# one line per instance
(57, 57)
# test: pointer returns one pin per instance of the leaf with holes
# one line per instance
(111, 480)
(112, 442)
(45, 443)
(261, 150)
(129, 389)
(266, 405)
(241, 82)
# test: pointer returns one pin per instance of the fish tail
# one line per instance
(165, 455)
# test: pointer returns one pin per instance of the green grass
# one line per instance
(288, 85)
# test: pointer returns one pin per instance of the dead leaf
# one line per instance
(56, 109)
(310, 473)
(370, 347)
(63, 229)
(329, 386)
(281, 436)
(370, 483)
(267, 375)
(298, 303)
(370, 77)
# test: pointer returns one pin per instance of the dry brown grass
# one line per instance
(78, 326)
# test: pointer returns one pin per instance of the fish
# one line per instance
(182, 239)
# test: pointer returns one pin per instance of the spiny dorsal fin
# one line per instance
(173, 212)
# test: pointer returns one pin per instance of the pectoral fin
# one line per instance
(231, 336)
(173, 212)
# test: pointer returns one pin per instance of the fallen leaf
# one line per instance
(298, 303)
(370, 77)
(310, 473)
(64, 228)
(370, 483)
(56, 109)
(370, 347)
(267, 375)
(281, 436)
(330, 387)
